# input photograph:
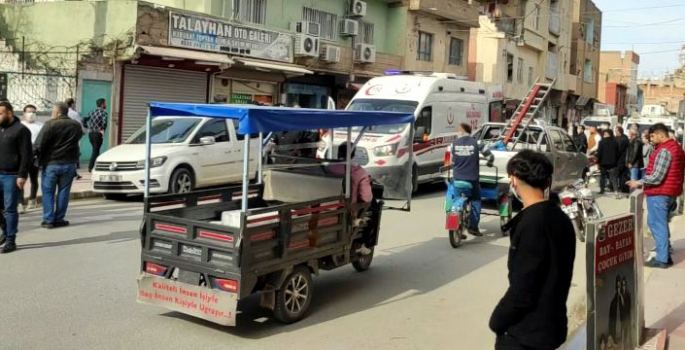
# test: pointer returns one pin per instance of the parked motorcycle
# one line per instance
(578, 202)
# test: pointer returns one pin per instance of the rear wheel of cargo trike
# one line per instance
(294, 298)
(363, 263)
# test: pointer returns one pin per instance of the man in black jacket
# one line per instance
(532, 313)
(634, 159)
(15, 161)
(622, 174)
(607, 158)
(58, 148)
(580, 139)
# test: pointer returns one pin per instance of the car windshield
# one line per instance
(167, 130)
(380, 105)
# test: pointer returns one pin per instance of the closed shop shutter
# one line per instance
(146, 84)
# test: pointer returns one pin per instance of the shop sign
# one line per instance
(208, 34)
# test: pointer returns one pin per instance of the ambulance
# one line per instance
(439, 101)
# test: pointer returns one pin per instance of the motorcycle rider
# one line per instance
(465, 156)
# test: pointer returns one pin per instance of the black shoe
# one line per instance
(63, 223)
(463, 236)
(475, 232)
(47, 225)
(655, 264)
(2, 239)
(8, 248)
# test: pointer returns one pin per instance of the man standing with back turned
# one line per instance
(532, 313)
(662, 184)
(15, 161)
(96, 122)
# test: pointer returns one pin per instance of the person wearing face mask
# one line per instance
(35, 127)
(532, 313)
(15, 161)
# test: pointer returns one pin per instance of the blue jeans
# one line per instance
(635, 174)
(476, 205)
(10, 194)
(658, 208)
(57, 177)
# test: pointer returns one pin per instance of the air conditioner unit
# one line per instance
(365, 53)
(306, 45)
(520, 41)
(349, 27)
(358, 8)
(308, 28)
(330, 53)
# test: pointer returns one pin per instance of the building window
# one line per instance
(590, 31)
(253, 11)
(530, 76)
(587, 71)
(519, 71)
(510, 67)
(327, 21)
(537, 17)
(366, 32)
(425, 51)
(456, 51)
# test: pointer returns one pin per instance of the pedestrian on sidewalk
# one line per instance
(58, 146)
(35, 127)
(622, 173)
(532, 313)
(15, 161)
(662, 186)
(96, 122)
(634, 159)
(580, 138)
(607, 158)
(74, 115)
(647, 150)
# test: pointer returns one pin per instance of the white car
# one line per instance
(187, 153)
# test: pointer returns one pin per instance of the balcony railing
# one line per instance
(506, 25)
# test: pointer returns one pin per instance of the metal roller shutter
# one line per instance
(145, 84)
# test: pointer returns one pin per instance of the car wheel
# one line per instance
(182, 181)
(294, 298)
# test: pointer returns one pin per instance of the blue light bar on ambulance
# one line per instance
(394, 72)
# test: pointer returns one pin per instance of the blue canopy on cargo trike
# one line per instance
(256, 119)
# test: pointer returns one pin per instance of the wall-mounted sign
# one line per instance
(208, 34)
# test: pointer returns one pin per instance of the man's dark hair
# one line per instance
(7, 105)
(100, 102)
(582, 127)
(70, 102)
(342, 152)
(62, 108)
(531, 167)
(29, 106)
(466, 127)
(659, 127)
(619, 129)
(607, 131)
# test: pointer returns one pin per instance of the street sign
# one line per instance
(613, 283)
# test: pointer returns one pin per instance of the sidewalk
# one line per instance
(80, 189)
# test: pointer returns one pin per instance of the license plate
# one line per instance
(110, 178)
(571, 209)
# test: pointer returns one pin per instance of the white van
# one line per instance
(650, 115)
(599, 117)
(439, 101)
(187, 153)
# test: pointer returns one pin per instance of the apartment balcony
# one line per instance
(458, 11)
(506, 25)
(551, 70)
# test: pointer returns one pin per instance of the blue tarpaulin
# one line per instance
(255, 119)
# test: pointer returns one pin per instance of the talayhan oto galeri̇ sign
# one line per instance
(209, 304)
(614, 319)
(207, 34)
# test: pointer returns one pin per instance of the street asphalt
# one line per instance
(75, 288)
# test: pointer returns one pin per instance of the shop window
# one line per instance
(215, 128)
(253, 11)
(510, 67)
(366, 32)
(456, 51)
(519, 71)
(425, 47)
(327, 21)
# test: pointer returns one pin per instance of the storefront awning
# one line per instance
(201, 58)
(272, 66)
(582, 101)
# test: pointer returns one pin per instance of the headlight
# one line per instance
(154, 162)
(385, 151)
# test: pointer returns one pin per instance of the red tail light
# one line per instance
(226, 285)
(155, 269)
(448, 158)
(567, 201)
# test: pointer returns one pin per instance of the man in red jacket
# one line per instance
(662, 185)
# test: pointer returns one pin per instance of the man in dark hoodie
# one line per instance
(532, 313)
(607, 158)
(621, 166)
(16, 159)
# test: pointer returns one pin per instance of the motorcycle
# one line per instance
(578, 202)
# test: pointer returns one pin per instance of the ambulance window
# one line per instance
(496, 111)
(425, 119)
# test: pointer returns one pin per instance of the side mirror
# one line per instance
(419, 133)
(207, 140)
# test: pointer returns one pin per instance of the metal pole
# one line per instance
(348, 164)
(359, 137)
(331, 138)
(246, 171)
(148, 152)
(260, 163)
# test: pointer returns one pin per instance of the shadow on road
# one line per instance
(112, 237)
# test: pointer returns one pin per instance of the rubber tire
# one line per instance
(115, 196)
(280, 311)
(455, 237)
(178, 172)
(363, 263)
(414, 179)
